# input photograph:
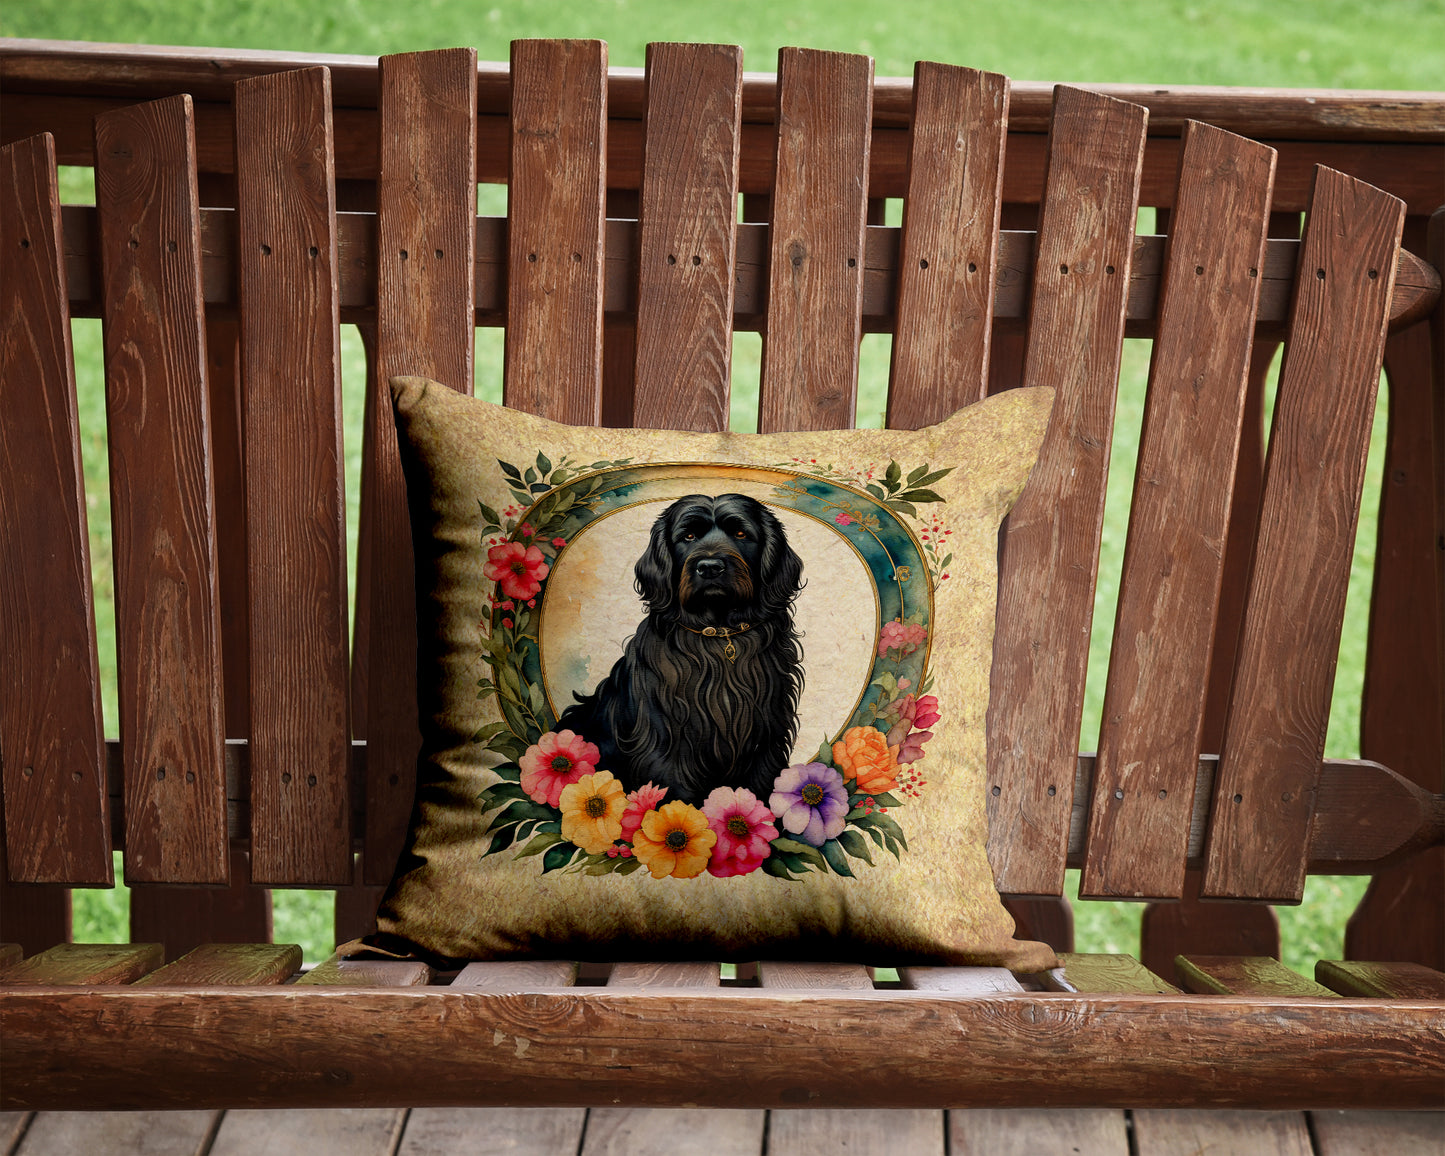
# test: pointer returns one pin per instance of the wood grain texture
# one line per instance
(687, 237)
(947, 267)
(1170, 1132)
(70, 964)
(1051, 549)
(1243, 975)
(167, 616)
(294, 1046)
(555, 206)
(228, 963)
(959, 980)
(1344, 1133)
(816, 242)
(517, 974)
(1400, 914)
(664, 975)
(866, 1133)
(13, 1126)
(336, 972)
(34, 915)
(1030, 1131)
(335, 1132)
(469, 1131)
(1154, 700)
(56, 818)
(183, 918)
(793, 975)
(426, 221)
(1384, 980)
(1275, 731)
(295, 500)
(1191, 926)
(10, 953)
(120, 1133)
(677, 1131)
(1089, 972)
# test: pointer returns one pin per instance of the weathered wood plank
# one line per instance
(1190, 925)
(517, 974)
(877, 1132)
(168, 630)
(687, 237)
(336, 972)
(959, 980)
(12, 1127)
(57, 824)
(121, 1133)
(792, 975)
(1172, 1131)
(329, 1132)
(516, 1131)
(676, 1131)
(183, 918)
(816, 260)
(10, 953)
(664, 975)
(1275, 731)
(947, 265)
(1051, 549)
(1030, 1131)
(426, 221)
(295, 499)
(1154, 701)
(1243, 975)
(228, 963)
(1383, 980)
(1089, 972)
(85, 963)
(555, 206)
(33, 915)
(1345, 1133)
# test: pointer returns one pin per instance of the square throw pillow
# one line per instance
(704, 696)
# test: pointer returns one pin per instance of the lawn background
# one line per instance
(1385, 44)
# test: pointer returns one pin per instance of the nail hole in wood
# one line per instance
(852, 262)
(1199, 270)
(265, 250)
(170, 246)
(1239, 798)
(1053, 791)
(577, 257)
(437, 253)
(160, 774)
(1109, 269)
(1254, 272)
(672, 259)
(190, 776)
(133, 243)
(313, 251)
(1118, 793)
(25, 242)
(696, 260)
(1374, 273)
(1163, 794)
(285, 776)
(28, 772)
(310, 780)
(972, 268)
(1319, 274)
(404, 254)
(532, 257)
(76, 775)
(923, 263)
(1063, 268)
(995, 792)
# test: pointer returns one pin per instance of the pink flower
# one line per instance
(644, 799)
(556, 761)
(527, 530)
(518, 569)
(744, 828)
(927, 712)
(904, 637)
(904, 683)
(844, 519)
(559, 542)
(911, 749)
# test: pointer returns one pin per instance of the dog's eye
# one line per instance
(741, 534)
(689, 537)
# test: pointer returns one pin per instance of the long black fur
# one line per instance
(673, 710)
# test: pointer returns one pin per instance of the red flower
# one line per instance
(559, 542)
(556, 761)
(639, 802)
(518, 569)
(527, 530)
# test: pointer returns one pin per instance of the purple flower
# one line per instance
(811, 802)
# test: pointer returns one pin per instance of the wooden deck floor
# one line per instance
(698, 1132)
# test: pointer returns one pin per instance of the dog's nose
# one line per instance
(709, 567)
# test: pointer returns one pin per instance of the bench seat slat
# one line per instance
(338, 972)
(84, 964)
(1275, 730)
(295, 499)
(959, 980)
(517, 974)
(796, 975)
(1243, 975)
(184, 918)
(1384, 980)
(1154, 702)
(1088, 972)
(228, 963)
(168, 633)
(1051, 546)
(56, 817)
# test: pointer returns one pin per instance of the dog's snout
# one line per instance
(709, 567)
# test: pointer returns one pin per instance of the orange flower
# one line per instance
(592, 811)
(674, 840)
(864, 756)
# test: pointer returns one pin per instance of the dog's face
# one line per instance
(718, 558)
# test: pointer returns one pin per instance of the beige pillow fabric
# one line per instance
(705, 695)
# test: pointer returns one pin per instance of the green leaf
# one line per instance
(893, 846)
(887, 800)
(606, 867)
(535, 700)
(524, 499)
(873, 833)
(539, 487)
(508, 772)
(486, 732)
(530, 476)
(915, 477)
(540, 842)
(544, 464)
(795, 864)
(876, 490)
(510, 745)
(805, 851)
(774, 867)
(510, 470)
(891, 828)
(825, 752)
(836, 859)
(855, 814)
(499, 793)
(855, 845)
(526, 809)
(551, 826)
(501, 839)
(559, 856)
(490, 514)
(919, 496)
(891, 476)
(944, 564)
(902, 507)
(560, 476)
(627, 866)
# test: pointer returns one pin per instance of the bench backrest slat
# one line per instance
(1051, 549)
(56, 814)
(1173, 561)
(555, 210)
(819, 212)
(948, 256)
(295, 501)
(687, 237)
(426, 241)
(168, 638)
(1275, 731)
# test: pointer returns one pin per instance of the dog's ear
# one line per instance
(782, 569)
(656, 578)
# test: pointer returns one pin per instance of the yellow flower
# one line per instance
(864, 755)
(592, 811)
(674, 840)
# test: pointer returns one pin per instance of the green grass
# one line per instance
(1315, 43)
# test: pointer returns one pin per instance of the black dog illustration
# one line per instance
(706, 693)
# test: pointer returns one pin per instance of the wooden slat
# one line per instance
(33, 915)
(1340, 1133)
(1089, 972)
(664, 975)
(336, 972)
(355, 912)
(799, 976)
(168, 631)
(183, 918)
(10, 953)
(426, 218)
(1154, 701)
(86, 963)
(228, 963)
(300, 809)
(555, 206)
(1243, 975)
(947, 267)
(1031, 1131)
(56, 819)
(12, 1126)
(1172, 1131)
(687, 237)
(121, 1133)
(816, 259)
(1384, 980)
(1051, 551)
(1190, 925)
(335, 1132)
(879, 1132)
(676, 1131)
(517, 974)
(515, 1131)
(1275, 732)
(959, 980)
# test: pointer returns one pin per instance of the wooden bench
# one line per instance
(247, 203)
